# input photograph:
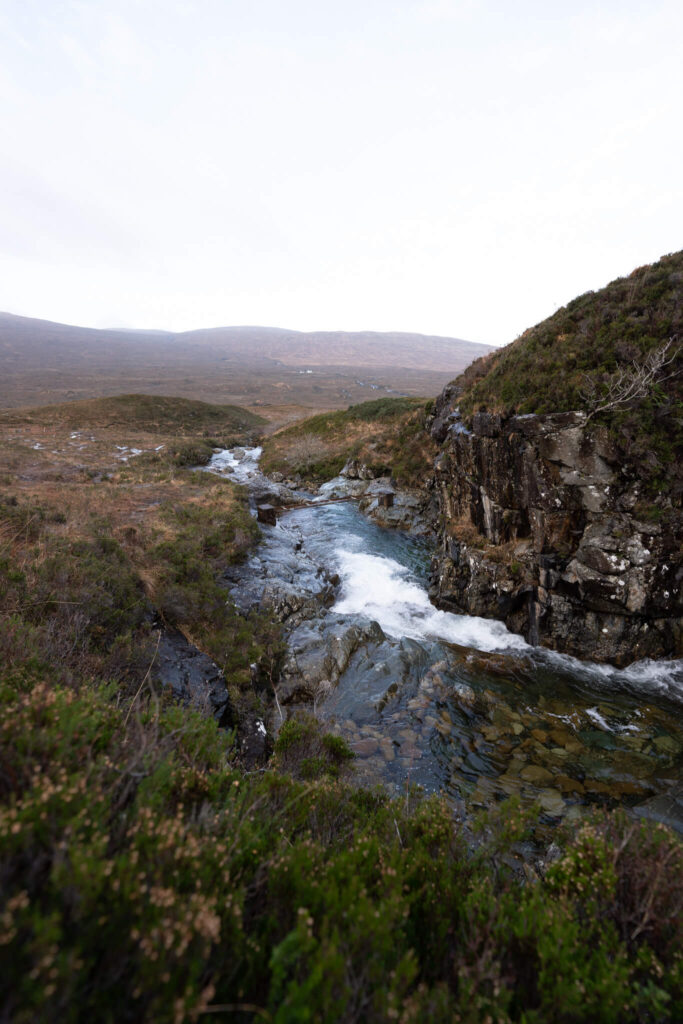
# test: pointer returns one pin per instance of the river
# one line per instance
(452, 702)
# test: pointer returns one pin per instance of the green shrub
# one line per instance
(303, 750)
(144, 877)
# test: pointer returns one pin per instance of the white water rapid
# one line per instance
(384, 590)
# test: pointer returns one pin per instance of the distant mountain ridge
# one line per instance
(24, 340)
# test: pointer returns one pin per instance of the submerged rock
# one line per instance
(667, 808)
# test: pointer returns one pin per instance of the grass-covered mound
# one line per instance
(577, 353)
(387, 435)
(143, 876)
(155, 413)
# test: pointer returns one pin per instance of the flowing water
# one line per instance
(457, 703)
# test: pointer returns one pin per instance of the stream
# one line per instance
(454, 703)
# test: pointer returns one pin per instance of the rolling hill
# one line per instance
(43, 362)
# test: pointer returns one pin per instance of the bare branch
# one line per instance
(629, 383)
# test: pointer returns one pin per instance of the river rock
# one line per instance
(552, 803)
(365, 747)
(357, 470)
(536, 775)
(666, 808)
(321, 650)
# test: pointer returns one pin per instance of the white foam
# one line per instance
(385, 591)
(661, 678)
(241, 469)
(596, 717)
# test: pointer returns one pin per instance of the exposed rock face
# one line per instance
(539, 529)
(193, 676)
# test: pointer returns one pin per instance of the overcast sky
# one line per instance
(457, 167)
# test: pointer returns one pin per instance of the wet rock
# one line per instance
(552, 803)
(536, 775)
(568, 785)
(321, 650)
(255, 746)
(666, 745)
(666, 808)
(365, 747)
(387, 749)
(193, 677)
(463, 693)
(357, 470)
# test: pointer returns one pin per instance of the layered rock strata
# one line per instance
(542, 527)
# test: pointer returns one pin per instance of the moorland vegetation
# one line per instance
(148, 874)
(387, 435)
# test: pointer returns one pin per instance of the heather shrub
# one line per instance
(144, 876)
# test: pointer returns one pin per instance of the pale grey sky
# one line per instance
(458, 167)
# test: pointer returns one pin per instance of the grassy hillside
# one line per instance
(544, 370)
(140, 412)
(552, 366)
(387, 435)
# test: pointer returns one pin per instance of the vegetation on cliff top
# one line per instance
(553, 366)
(387, 435)
(544, 370)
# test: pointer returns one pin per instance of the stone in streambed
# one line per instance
(666, 745)
(386, 747)
(510, 784)
(364, 747)
(552, 803)
(536, 775)
(568, 785)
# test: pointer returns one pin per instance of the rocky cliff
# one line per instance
(564, 525)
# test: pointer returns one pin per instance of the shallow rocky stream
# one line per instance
(454, 703)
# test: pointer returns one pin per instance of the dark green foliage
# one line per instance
(143, 877)
(194, 453)
(302, 749)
